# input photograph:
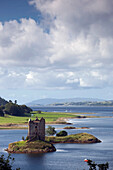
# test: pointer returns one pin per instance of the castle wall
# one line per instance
(37, 129)
(42, 129)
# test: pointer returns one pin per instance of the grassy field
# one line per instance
(49, 117)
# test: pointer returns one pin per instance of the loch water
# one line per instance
(68, 156)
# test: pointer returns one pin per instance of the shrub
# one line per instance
(23, 138)
(1, 112)
(6, 164)
(62, 133)
(39, 111)
(27, 137)
(50, 131)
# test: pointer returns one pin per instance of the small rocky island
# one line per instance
(71, 127)
(75, 138)
(38, 143)
(37, 146)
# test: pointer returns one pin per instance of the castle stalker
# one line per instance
(36, 129)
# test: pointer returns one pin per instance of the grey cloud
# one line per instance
(78, 15)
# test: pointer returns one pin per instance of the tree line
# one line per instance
(14, 109)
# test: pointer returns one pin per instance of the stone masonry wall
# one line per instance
(36, 129)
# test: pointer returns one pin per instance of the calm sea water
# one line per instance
(68, 156)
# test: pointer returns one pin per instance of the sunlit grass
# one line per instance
(49, 117)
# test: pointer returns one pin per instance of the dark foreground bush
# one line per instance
(1, 113)
(6, 163)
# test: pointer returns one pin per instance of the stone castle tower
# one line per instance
(36, 129)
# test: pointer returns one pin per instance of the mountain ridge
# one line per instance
(49, 101)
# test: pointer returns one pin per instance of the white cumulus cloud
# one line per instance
(70, 48)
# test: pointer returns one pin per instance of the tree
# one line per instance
(14, 109)
(6, 163)
(15, 101)
(26, 109)
(50, 131)
(23, 138)
(62, 133)
(1, 112)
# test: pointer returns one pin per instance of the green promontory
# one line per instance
(37, 146)
(75, 138)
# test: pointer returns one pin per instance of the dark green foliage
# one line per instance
(10, 101)
(50, 131)
(6, 163)
(92, 165)
(15, 101)
(27, 137)
(22, 137)
(1, 112)
(3, 101)
(2, 107)
(14, 109)
(62, 133)
(6, 112)
(26, 109)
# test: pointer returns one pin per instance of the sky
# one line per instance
(56, 49)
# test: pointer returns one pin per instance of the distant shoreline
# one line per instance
(68, 106)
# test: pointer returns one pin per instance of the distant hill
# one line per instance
(53, 101)
(85, 103)
(3, 101)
